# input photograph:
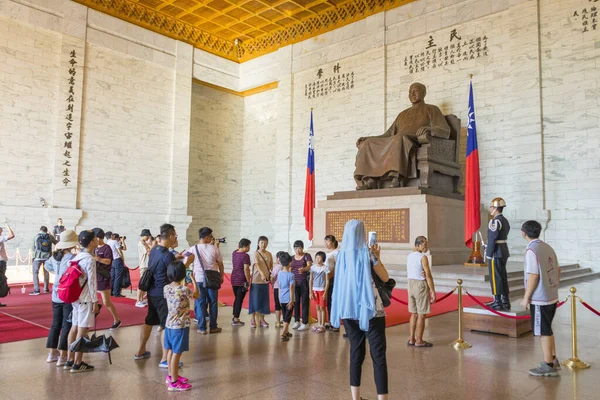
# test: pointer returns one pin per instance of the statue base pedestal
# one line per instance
(398, 215)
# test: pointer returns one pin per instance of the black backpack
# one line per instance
(125, 279)
(43, 243)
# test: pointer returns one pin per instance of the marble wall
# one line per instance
(125, 130)
(215, 171)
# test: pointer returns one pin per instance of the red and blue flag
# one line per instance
(309, 190)
(472, 182)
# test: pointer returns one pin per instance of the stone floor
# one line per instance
(243, 363)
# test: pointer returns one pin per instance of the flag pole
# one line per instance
(476, 259)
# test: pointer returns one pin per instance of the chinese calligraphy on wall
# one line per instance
(452, 52)
(391, 225)
(68, 144)
(323, 85)
(589, 18)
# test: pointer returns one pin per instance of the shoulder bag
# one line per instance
(212, 279)
(384, 288)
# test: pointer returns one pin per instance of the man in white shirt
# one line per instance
(85, 308)
(542, 277)
(3, 257)
(207, 257)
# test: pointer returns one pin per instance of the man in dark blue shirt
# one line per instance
(159, 259)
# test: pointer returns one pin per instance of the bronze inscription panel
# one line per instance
(392, 226)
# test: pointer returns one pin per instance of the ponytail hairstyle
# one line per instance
(333, 240)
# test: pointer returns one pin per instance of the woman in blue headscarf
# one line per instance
(356, 301)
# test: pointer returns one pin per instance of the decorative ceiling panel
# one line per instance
(240, 30)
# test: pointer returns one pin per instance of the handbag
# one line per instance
(103, 272)
(384, 288)
(212, 279)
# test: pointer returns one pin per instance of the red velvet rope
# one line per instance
(399, 301)
(437, 300)
(476, 300)
(444, 297)
(586, 305)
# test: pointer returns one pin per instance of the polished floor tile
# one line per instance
(245, 363)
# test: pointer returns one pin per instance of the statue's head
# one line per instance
(416, 92)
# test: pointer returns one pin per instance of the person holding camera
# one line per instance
(357, 301)
(240, 278)
(209, 271)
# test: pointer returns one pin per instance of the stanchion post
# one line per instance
(460, 343)
(574, 362)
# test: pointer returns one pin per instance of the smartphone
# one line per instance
(188, 276)
(372, 239)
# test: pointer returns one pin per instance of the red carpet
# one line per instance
(29, 317)
(396, 313)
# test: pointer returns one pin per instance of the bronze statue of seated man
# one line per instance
(392, 156)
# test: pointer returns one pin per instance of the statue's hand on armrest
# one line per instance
(424, 134)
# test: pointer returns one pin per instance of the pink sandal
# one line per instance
(264, 324)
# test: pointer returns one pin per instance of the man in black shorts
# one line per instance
(542, 277)
(160, 257)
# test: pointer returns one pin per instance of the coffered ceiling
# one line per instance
(240, 30)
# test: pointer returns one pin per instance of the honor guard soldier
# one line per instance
(497, 254)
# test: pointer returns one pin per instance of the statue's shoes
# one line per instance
(395, 183)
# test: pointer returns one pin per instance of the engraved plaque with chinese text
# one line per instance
(392, 225)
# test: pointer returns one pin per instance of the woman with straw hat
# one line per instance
(61, 312)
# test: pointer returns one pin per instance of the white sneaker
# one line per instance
(140, 304)
(61, 361)
(303, 327)
(51, 358)
(296, 325)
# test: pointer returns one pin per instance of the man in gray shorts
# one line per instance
(542, 277)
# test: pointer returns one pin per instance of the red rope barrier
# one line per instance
(494, 311)
(437, 300)
(586, 305)
(399, 301)
(444, 297)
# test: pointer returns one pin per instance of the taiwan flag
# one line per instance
(472, 190)
(309, 191)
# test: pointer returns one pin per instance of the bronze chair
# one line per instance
(437, 160)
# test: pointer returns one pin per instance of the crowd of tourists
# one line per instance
(347, 285)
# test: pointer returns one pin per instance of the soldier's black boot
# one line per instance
(505, 302)
(497, 301)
